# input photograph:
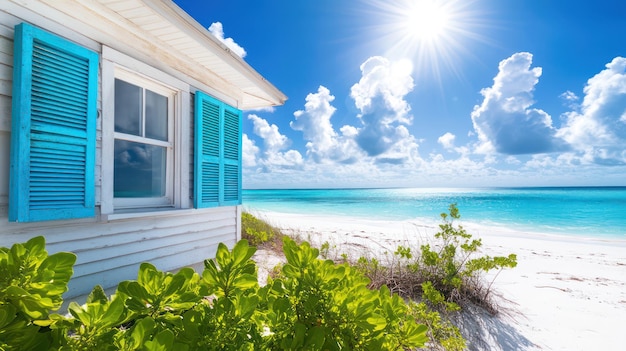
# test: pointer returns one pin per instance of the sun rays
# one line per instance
(433, 34)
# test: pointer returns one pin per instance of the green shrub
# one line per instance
(315, 305)
(31, 285)
(443, 276)
(452, 266)
(257, 231)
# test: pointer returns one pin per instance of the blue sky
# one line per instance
(419, 93)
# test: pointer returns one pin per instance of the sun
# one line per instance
(432, 34)
(425, 20)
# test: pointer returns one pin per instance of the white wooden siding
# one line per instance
(6, 80)
(109, 251)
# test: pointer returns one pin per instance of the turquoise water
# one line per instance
(584, 211)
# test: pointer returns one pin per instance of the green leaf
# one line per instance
(222, 255)
(245, 281)
(315, 338)
(242, 252)
(114, 314)
(415, 334)
(7, 315)
(97, 295)
(141, 332)
(291, 271)
(163, 341)
(33, 306)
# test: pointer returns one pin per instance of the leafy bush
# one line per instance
(31, 285)
(315, 305)
(319, 305)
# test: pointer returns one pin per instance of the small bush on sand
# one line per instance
(443, 276)
(260, 233)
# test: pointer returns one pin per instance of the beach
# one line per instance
(566, 293)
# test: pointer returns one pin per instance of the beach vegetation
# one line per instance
(443, 276)
(314, 304)
(259, 232)
(31, 286)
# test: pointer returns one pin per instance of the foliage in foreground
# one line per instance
(313, 305)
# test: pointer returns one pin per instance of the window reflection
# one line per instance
(156, 116)
(128, 107)
(140, 170)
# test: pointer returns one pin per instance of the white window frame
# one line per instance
(118, 65)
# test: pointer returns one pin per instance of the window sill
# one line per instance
(147, 212)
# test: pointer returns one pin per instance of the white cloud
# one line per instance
(249, 152)
(272, 157)
(447, 141)
(272, 139)
(598, 129)
(505, 121)
(323, 142)
(379, 96)
(218, 31)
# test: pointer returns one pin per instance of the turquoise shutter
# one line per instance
(53, 132)
(217, 164)
(232, 156)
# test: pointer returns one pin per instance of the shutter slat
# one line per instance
(210, 182)
(231, 182)
(231, 135)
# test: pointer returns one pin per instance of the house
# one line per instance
(120, 134)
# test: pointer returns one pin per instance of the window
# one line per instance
(53, 136)
(145, 138)
(143, 146)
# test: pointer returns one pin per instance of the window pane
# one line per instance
(140, 170)
(128, 107)
(156, 116)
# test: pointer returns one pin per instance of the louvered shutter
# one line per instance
(53, 128)
(217, 164)
(232, 156)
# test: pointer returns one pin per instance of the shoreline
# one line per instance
(567, 292)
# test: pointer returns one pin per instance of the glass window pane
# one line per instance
(140, 170)
(128, 107)
(156, 116)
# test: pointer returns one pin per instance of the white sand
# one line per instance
(567, 293)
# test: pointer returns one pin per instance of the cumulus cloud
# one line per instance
(249, 151)
(570, 99)
(379, 145)
(274, 144)
(379, 96)
(599, 128)
(323, 142)
(505, 121)
(218, 31)
(447, 141)
(272, 139)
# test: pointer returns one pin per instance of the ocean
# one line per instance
(596, 212)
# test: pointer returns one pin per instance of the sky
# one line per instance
(427, 93)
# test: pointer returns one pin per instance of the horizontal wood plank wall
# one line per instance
(6, 80)
(109, 252)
